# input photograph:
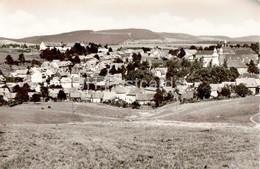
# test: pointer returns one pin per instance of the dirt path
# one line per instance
(253, 121)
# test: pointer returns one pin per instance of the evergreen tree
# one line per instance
(252, 68)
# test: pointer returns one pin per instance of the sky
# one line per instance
(234, 18)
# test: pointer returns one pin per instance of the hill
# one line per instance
(116, 36)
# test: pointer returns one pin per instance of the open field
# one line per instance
(237, 111)
(100, 136)
(15, 54)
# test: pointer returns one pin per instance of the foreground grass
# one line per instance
(236, 111)
(127, 145)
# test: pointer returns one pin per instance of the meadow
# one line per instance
(214, 134)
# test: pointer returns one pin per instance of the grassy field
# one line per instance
(101, 136)
(237, 111)
(15, 54)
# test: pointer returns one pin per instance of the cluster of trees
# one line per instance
(10, 61)
(180, 53)
(195, 72)
(162, 97)
(76, 50)
(23, 46)
(21, 59)
(138, 72)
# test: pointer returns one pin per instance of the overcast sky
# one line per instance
(23, 18)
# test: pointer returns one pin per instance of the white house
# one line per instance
(36, 76)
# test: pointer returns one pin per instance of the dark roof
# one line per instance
(205, 52)
(246, 51)
(236, 64)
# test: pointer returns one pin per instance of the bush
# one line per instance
(242, 90)
(135, 105)
(119, 103)
(204, 90)
(225, 91)
(36, 98)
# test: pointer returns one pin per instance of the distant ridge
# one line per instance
(115, 36)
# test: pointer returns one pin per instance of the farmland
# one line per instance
(83, 135)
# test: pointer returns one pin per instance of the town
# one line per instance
(130, 76)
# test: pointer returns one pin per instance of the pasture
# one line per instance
(84, 135)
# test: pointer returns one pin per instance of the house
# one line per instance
(9, 96)
(209, 56)
(54, 93)
(131, 94)
(65, 82)
(75, 96)
(96, 96)
(108, 96)
(250, 83)
(120, 91)
(85, 96)
(237, 63)
(22, 73)
(215, 89)
(55, 81)
(144, 98)
(36, 76)
(4, 89)
(75, 82)
(51, 45)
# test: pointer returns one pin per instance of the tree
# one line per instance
(103, 72)
(9, 60)
(110, 50)
(241, 90)
(62, 95)
(233, 74)
(158, 97)
(44, 91)
(182, 53)
(252, 68)
(76, 59)
(193, 47)
(97, 57)
(36, 98)
(16, 88)
(137, 57)
(113, 70)
(225, 63)
(225, 91)
(204, 90)
(22, 94)
(21, 58)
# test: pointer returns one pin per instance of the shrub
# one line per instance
(204, 90)
(242, 90)
(135, 105)
(225, 91)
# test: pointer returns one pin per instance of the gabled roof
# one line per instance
(236, 64)
(53, 44)
(145, 96)
(75, 95)
(97, 95)
(249, 82)
(246, 51)
(120, 89)
(205, 52)
(133, 91)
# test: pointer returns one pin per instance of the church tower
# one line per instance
(215, 58)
